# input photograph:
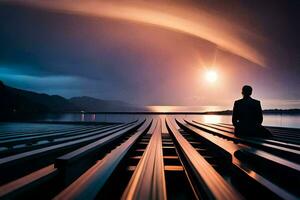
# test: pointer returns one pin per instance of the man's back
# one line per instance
(247, 112)
(247, 116)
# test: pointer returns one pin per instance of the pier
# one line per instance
(154, 157)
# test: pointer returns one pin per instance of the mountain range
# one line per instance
(15, 101)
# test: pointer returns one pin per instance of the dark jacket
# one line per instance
(247, 112)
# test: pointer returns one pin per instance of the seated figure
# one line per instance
(247, 116)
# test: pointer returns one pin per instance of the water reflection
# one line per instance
(212, 119)
(269, 120)
(186, 108)
(292, 121)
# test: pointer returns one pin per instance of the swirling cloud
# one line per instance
(190, 20)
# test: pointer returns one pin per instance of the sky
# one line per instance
(154, 53)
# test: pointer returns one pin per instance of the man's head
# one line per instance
(247, 91)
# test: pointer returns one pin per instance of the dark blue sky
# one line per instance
(71, 54)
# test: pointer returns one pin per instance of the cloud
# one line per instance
(97, 49)
(50, 84)
(196, 22)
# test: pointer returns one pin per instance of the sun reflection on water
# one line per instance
(161, 108)
(166, 109)
(212, 119)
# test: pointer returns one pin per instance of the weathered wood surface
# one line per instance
(154, 158)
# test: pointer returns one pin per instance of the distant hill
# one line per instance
(14, 102)
(90, 104)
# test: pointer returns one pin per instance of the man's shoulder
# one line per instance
(256, 101)
(239, 101)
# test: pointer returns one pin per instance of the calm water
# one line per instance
(292, 121)
(269, 120)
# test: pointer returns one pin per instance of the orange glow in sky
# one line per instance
(156, 53)
(184, 19)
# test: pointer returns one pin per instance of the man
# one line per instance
(247, 116)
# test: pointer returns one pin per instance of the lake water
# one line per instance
(292, 121)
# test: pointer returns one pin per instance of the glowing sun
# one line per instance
(211, 76)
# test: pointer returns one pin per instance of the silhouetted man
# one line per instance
(247, 116)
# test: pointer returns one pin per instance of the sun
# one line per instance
(211, 76)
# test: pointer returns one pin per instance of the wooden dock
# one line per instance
(156, 157)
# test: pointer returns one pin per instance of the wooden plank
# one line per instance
(148, 179)
(43, 132)
(275, 142)
(32, 139)
(46, 140)
(76, 162)
(285, 152)
(266, 159)
(16, 188)
(215, 187)
(9, 166)
(91, 182)
(59, 140)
